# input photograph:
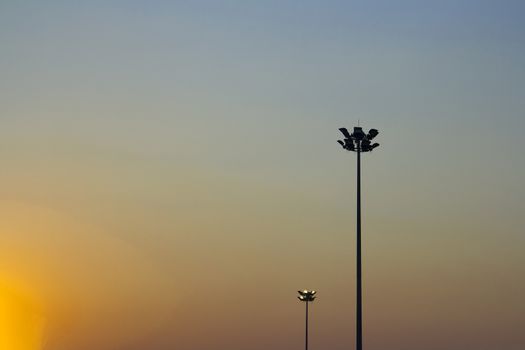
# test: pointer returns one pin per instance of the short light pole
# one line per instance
(358, 142)
(306, 296)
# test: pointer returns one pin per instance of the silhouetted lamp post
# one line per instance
(306, 296)
(358, 142)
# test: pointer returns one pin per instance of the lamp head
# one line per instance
(372, 133)
(358, 133)
(358, 141)
(349, 145)
(345, 132)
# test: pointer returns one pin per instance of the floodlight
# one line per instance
(306, 296)
(349, 144)
(345, 132)
(358, 133)
(372, 133)
(358, 142)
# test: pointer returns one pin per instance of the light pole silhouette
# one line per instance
(306, 296)
(358, 142)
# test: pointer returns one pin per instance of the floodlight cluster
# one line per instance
(358, 141)
(306, 295)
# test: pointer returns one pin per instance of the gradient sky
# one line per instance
(170, 174)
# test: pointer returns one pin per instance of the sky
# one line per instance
(170, 174)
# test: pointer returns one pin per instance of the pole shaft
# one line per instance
(359, 320)
(306, 333)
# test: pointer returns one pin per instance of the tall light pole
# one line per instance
(358, 142)
(306, 296)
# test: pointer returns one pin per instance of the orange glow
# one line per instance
(21, 323)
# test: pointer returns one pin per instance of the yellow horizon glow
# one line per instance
(60, 273)
(21, 321)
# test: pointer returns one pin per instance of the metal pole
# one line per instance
(306, 333)
(359, 320)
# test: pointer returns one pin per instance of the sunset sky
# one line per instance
(170, 175)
